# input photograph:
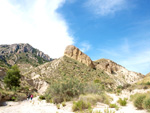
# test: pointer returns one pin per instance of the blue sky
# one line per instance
(114, 29)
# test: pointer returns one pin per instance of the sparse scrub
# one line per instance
(64, 89)
(42, 97)
(122, 102)
(94, 98)
(146, 103)
(64, 104)
(58, 106)
(105, 111)
(80, 105)
(139, 101)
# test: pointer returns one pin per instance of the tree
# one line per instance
(12, 78)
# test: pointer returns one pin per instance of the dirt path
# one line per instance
(34, 106)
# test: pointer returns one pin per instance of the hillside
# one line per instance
(121, 74)
(75, 63)
(23, 55)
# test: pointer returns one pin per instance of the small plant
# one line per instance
(122, 102)
(64, 104)
(139, 101)
(112, 105)
(13, 98)
(80, 105)
(146, 103)
(108, 111)
(58, 106)
(42, 97)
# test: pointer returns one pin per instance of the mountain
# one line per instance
(22, 54)
(38, 73)
(148, 74)
(76, 63)
(120, 74)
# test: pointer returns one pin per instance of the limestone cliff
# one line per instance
(73, 52)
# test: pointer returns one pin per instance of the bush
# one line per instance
(80, 105)
(58, 106)
(12, 78)
(63, 89)
(93, 88)
(122, 102)
(112, 105)
(139, 101)
(146, 103)
(94, 98)
(64, 104)
(42, 97)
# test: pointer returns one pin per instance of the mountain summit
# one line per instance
(21, 53)
(73, 52)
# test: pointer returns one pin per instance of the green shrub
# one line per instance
(80, 105)
(42, 97)
(12, 78)
(64, 104)
(58, 106)
(122, 102)
(146, 103)
(63, 89)
(147, 83)
(112, 105)
(139, 101)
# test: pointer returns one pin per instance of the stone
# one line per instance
(74, 53)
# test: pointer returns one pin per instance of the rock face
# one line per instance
(2, 72)
(21, 48)
(118, 71)
(73, 52)
(21, 54)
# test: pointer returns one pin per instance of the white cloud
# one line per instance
(85, 46)
(36, 23)
(105, 7)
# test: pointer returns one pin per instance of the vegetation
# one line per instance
(94, 98)
(80, 105)
(64, 89)
(141, 100)
(12, 78)
(63, 104)
(42, 97)
(122, 102)
(114, 106)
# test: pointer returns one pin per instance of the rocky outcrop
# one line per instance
(118, 71)
(73, 52)
(148, 74)
(2, 72)
(21, 48)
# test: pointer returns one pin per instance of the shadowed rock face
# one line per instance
(74, 53)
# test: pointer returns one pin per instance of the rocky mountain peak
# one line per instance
(74, 53)
(21, 48)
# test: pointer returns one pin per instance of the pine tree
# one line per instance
(12, 78)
